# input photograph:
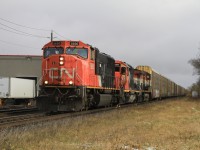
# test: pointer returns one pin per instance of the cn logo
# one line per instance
(62, 71)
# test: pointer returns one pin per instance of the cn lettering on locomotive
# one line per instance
(62, 71)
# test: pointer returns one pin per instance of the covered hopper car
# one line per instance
(160, 86)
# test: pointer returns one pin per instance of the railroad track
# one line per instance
(12, 121)
(18, 110)
(27, 119)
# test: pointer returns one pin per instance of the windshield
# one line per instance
(52, 51)
(83, 52)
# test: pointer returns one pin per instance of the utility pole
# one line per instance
(51, 35)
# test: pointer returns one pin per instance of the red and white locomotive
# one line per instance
(77, 76)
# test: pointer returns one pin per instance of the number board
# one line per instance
(56, 43)
(74, 43)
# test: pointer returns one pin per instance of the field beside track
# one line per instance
(167, 124)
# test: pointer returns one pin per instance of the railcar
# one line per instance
(133, 84)
(162, 87)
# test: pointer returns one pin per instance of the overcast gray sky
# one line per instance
(164, 34)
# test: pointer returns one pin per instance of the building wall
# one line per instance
(21, 66)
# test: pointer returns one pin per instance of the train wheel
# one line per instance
(78, 105)
(146, 97)
(132, 98)
(140, 98)
(32, 102)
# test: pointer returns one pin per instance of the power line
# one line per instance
(18, 44)
(13, 31)
(59, 35)
(25, 33)
(17, 32)
(23, 25)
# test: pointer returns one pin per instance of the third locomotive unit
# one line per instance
(77, 76)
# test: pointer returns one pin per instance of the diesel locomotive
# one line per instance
(77, 76)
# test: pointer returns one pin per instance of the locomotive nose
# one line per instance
(60, 70)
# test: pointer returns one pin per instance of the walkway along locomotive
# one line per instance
(77, 76)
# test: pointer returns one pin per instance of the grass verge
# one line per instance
(168, 124)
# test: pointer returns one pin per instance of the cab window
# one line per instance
(123, 70)
(53, 51)
(83, 52)
(117, 67)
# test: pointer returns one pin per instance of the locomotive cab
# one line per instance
(64, 64)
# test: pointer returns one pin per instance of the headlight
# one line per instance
(61, 62)
(70, 82)
(46, 82)
(61, 58)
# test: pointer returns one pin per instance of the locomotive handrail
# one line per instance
(79, 79)
(40, 80)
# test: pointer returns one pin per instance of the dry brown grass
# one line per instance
(167, 125)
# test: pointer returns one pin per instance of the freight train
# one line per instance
(77, 76)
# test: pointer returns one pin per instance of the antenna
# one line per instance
(51, 35)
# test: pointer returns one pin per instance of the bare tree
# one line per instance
(196, 64)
